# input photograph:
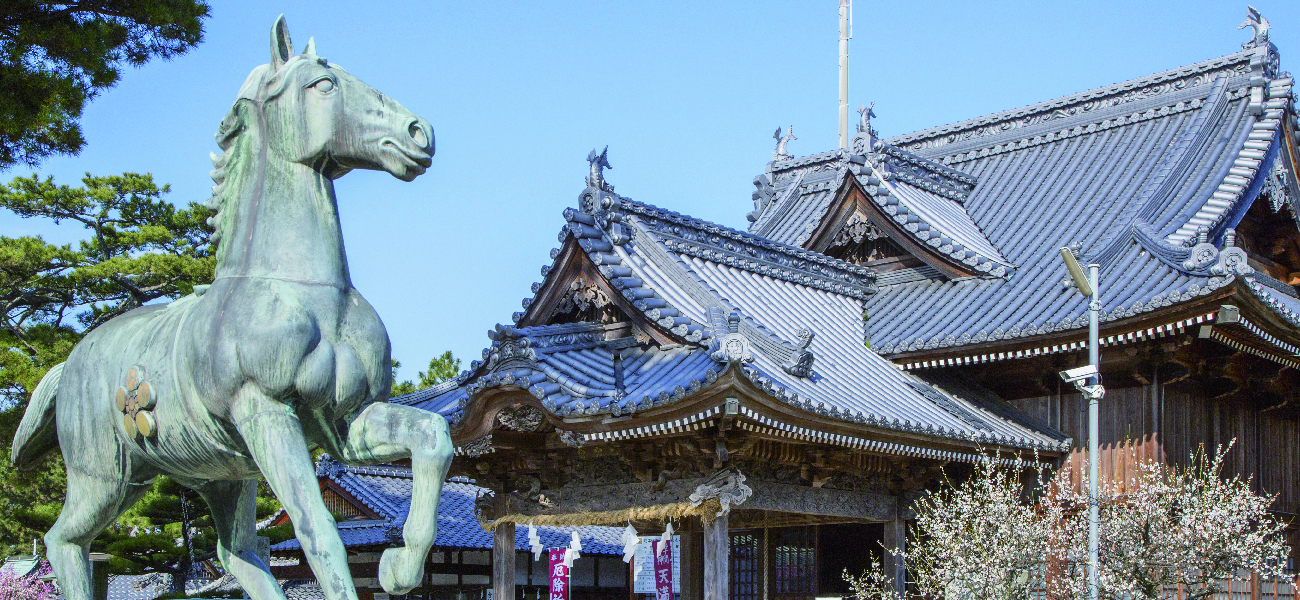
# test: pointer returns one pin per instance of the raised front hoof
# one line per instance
(400, 570)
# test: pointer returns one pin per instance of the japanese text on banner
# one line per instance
(663, 559)
(559, 575)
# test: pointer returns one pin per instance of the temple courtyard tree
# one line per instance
(441, 368)
(999, 533)
(981, 538)
(138, 249)
(56, 56)
(1171, 526)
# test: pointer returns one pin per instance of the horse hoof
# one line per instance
(397, 573)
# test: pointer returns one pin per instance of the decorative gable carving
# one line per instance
(576, 290)
(854, 229)
(861, 242)
(585, 302)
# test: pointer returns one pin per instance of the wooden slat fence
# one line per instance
(1246, 586)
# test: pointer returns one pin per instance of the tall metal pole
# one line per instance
(844, 72)
(1094, 358)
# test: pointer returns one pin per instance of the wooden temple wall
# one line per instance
(1167, 422)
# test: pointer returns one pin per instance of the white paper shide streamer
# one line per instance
(630, 541)
(666, 539)
(534, 542)
(574, 551)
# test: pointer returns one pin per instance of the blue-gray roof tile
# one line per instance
(387, 490)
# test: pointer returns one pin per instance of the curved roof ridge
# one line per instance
(1243, 179)
(935, 219)
(759, 254)
(1082, 102)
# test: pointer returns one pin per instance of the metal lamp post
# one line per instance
(1088, 381)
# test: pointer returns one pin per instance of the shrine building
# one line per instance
(896, 309)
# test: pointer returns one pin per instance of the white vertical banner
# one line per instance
(643, 566)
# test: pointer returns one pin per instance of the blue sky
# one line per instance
(686, 94)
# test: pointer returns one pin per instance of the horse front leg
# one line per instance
(274, 437)
(386, 432)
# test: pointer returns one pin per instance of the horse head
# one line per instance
(315, 113)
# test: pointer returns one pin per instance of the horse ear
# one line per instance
(281, 46)
(311, 47)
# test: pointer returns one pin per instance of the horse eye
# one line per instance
(324, 86)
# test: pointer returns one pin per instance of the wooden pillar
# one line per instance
(896, 540)
(767, 544)
(691, 560)
(716, 547)
(503, 562)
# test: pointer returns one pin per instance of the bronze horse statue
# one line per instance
(278, 356)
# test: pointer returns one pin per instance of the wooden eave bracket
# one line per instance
(1029, 346)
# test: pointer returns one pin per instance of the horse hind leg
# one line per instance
(385, 432)
(234, 514)
(92, 503)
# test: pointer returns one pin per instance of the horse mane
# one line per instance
(229, 171)
(239, 147)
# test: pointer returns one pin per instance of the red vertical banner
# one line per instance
(663, 558)
(559, 575)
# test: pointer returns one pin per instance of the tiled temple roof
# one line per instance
(799, 314)
(386, 490)
(926, 198)
(1126, 173)
(1147, 177)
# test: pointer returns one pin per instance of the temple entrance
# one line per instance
(800, 562)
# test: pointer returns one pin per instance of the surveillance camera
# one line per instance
(1080, 374)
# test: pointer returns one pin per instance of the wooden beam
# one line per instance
(826, 502)
(767, 495)
(716, 555)
(503, 561)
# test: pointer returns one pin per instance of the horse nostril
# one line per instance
(418, 134)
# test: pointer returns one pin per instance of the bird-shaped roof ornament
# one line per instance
(1255, 21)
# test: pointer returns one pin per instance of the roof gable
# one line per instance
(785, 320)
(917, 203)
(576, 290)
(853, 221)
(1148, 177)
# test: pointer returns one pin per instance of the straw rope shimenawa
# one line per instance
(707, 511)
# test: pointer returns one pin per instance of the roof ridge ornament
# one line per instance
(1259, 24)
(762, 196)
(599, 162)
(728, 344)
(866, 138)
(1228, 260)
(780, 153)
(801, 359)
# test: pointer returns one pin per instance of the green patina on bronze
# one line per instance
(278, 356)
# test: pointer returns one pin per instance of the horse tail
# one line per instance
(36, 433)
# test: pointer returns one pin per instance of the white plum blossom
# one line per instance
(1005, 534)
(1169, 526)
(980, 539)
